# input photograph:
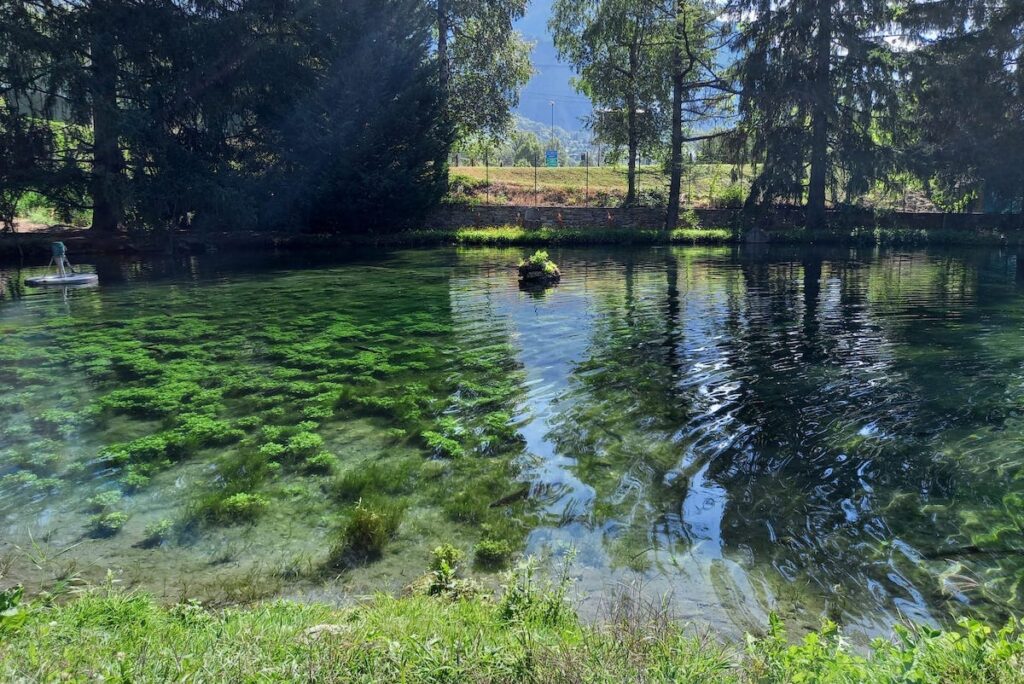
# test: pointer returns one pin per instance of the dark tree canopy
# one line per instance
(967, 101)
(818, 80)
(250, 113)
(240, 114)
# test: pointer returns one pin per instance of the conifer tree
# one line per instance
(818, 78)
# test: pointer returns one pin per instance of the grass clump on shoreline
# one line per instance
(530, 633)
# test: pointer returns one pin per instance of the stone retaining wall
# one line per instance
(450, 217)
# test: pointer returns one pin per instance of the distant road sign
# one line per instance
(552, 158)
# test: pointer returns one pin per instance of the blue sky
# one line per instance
(551, 82)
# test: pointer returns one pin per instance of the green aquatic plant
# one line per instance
(492, 554)
(40, 457)
(441, 446)
(229, 507)
(164, 446)
(366, 531)
(104, 502)
(272, 450)
(242, 507)
(322, 463)
(136, 476)
(30, 482)
(196, 431)
(320, 410)
(304, 444)
(109, 523)
(57, 420)
(158, 532)
(366, 480)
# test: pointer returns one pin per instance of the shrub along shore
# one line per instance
(448, 630)
(32, 246)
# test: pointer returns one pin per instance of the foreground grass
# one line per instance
(529, 634)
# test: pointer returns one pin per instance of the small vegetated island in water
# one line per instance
(539, 270)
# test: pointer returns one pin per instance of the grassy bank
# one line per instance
(33, 247)
(863, 236)
(528, 633)
(703, 184)
(515, 235)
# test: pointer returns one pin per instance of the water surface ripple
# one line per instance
(815, 433)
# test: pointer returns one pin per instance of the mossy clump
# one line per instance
(538, 269)
(108, 524)
(158, 532)
(492, 554)
(323, 463)
(104, 502)
(441, 446)
(231, 509)
(368, 529)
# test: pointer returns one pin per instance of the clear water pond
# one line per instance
(814, 433)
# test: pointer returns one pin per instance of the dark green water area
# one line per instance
(815, 433)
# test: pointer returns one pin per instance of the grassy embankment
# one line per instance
(36, 246)
(695, 235)
(446, 632)
(703, 185)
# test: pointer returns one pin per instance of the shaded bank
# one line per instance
(32, 247)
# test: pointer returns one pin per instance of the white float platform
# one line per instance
(57, 280)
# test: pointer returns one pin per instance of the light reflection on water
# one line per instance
(807, 432)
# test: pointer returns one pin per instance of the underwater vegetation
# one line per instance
(262, 417)
(837, 437)
(368, 529)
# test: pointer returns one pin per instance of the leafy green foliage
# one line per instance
(12, 613)
(158, 532)
(492, 553)
(817, 83)
(109, 523)
(109, 634)
(376, 162)
(619, 48)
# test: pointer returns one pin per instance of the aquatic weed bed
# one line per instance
(220, 413)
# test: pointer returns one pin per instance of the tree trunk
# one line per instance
(108, 163)
(676, 168)
(631, 163)
(1022, 208)
(819, 118)
(632, 134)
